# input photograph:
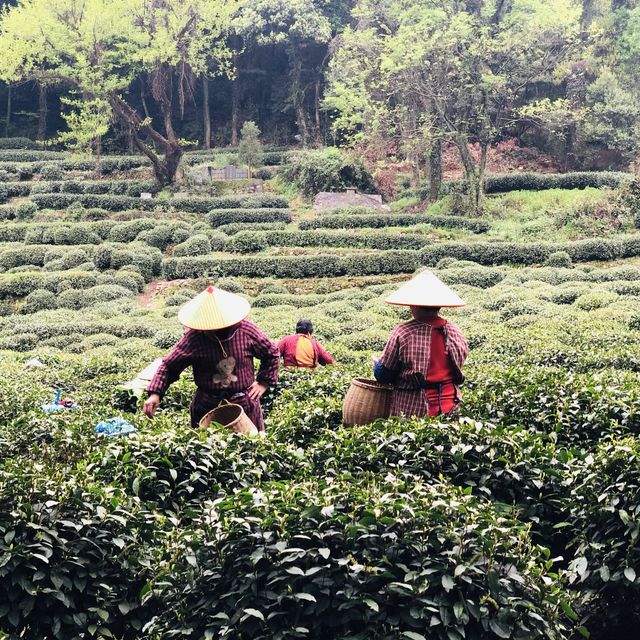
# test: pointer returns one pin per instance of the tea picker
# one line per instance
(423, 358)
(220, 344)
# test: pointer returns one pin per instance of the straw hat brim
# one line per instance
(425, 290)
(213, 310)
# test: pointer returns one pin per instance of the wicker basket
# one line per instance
(231, 416)
(366, 401)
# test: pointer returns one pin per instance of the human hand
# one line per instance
(256, 391)
(374, 358)
(151, 404)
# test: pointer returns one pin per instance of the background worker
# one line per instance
(300, 349)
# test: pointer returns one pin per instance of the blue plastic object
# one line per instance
(57, 405)
(115, 427)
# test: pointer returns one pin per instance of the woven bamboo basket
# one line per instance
(231, 416)
(366, 401)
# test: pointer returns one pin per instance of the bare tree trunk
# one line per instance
(586, 17)
(435, 170)
(206, 113)
(474, 176)
(234, 114)
(7, 122)
(297, 92)
(165, 168)
(42, 111)
(143, 99)
(318, 123)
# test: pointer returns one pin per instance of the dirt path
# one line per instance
(156, 288)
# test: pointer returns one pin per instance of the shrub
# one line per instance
(247, 242)
(339, 531)
(395, 220)
(197, 245)
(126, 232)
(26, 210)
(73, 258)
(559, 259)
(99, 340)
(537, 182)
(532, 252)
(595, 300)
(124, 203)
(292, 266)
(39, 300)
(71, 299)
(18, 143)
(166, 338)
(177, 300)
(229, 284)
(235, 227)
(251, 242)
(19, 342)
(248, 216)
(51, 171)
(603, 511)
(329, 169)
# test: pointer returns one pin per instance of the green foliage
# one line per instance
(538, 182)
(559, 259)
(225, 217)
(26, 210)
(197, 245)
(124, 203)
(292, 267)
(395, 220)
(250, 148)
(326, 170)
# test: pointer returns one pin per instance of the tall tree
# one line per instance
(100, 47)
(298, 25)
(455, 68)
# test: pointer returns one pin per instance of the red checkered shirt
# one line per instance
(203, 352)
(407, 352)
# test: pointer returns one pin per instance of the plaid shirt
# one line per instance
(204, 352)
(407, 353)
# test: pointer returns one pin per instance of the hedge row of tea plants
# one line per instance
(395, 220)
(225, 217)
(503, 183)
(190, 204)
(112, 187)
(593, 249)
(416, 528)
(254, 241)
(292, 266)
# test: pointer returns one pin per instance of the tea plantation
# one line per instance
(518, 519)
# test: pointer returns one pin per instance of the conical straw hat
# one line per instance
(425, 290)
(213, 309)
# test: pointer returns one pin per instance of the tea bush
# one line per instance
(252, 241)
(124, 203)
(395, 220)
(224, 218)
(330, 169)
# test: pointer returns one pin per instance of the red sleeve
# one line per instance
(282, 345)
(323, 357)
(172, 365)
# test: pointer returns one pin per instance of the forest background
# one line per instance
(404, 81)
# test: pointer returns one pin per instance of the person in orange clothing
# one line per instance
(423, 358)
(301, 350)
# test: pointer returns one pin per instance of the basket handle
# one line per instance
(223, 402)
